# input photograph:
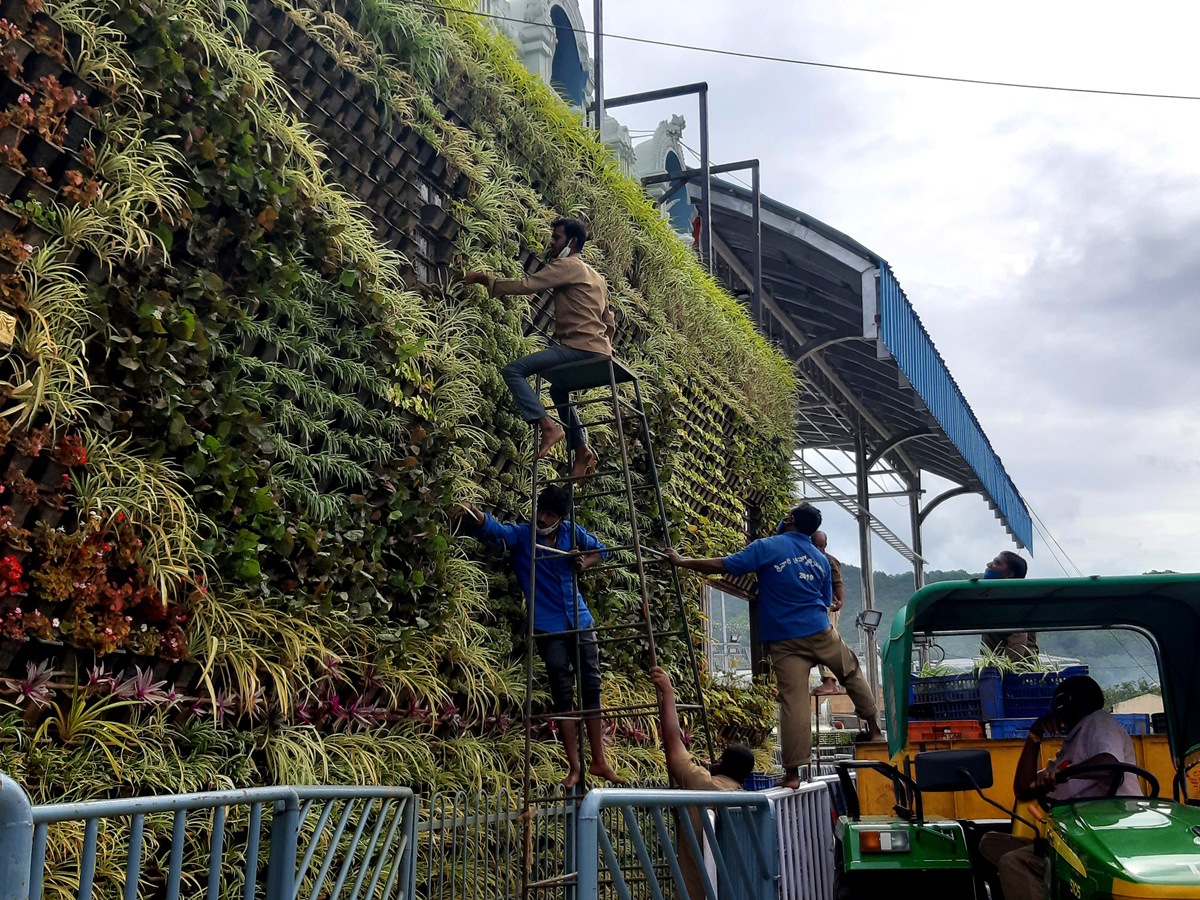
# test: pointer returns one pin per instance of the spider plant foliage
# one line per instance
(119, 482)
(283, 416)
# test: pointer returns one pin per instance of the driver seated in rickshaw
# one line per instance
(1092, 735)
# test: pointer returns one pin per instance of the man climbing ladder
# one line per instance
(583, 330)
(562, 634)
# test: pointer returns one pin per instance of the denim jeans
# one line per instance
(517, 374)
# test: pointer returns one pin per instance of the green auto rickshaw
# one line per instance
(1102, 847)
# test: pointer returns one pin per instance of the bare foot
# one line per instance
(551, 435)
(826, 687)
(605, 771)
(585, 460)
(571, 779)
(790, 782)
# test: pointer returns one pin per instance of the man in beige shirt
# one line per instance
(728, 774)
(583, 329)
(829, 683)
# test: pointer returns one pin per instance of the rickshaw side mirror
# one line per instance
(953, 770)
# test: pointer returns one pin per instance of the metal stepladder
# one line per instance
(610, 373)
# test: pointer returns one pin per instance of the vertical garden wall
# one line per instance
(244, 390)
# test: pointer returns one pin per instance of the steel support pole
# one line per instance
(756, 188)
(598, 63)
(705, 185)
(914, 513)
(862, 482)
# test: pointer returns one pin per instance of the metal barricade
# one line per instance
(469, 844)
(356, 842)
(741, 844)
(804, 820)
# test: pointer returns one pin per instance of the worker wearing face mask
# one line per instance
(1016, 645)
(583, 330)
(558, 607)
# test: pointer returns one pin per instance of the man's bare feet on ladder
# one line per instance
(585, 460)
(571, 779)
(605, 771)
(552, 433)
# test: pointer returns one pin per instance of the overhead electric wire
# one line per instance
(1051, 543)
(841, 67)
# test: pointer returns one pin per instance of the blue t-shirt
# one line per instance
(795, 588)
(555, 581)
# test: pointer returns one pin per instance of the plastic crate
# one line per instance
(975, 696)
(1134, 723)
(837, 737)
(1009, 728)
(951, 730)
(1030, 695)
(758, 781)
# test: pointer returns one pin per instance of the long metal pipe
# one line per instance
(695, 173)
(660, 94)
(756, 189)
(705, 185)
(598, 63)
(914, 513)
(862, 482)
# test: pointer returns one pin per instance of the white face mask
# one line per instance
(546, 532)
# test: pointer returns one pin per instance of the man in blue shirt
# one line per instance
(795, 592)
(558, 608)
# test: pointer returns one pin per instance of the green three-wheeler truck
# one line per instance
(1111, 847)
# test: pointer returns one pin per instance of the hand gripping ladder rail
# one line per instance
(577, 377)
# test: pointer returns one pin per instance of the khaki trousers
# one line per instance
(792, 660)
(833, 621)
(1022, 871)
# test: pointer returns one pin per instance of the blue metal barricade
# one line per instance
(741, 844)
(352, 842)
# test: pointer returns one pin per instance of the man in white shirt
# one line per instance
(1092, 736)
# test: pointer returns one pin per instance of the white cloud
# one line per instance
(1047, 240)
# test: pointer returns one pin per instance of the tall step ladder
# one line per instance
(578, 377)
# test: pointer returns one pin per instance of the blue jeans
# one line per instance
(517, 374)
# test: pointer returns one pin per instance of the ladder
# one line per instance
(578, 377)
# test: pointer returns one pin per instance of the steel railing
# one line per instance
(371, 843)
(321, 841)
(737, 829)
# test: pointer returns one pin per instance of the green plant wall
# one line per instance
(244, 392)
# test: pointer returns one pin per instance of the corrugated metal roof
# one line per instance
(904, 335)
(814, 277)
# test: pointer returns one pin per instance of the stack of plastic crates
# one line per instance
(975, 696)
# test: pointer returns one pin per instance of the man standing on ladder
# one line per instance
(795, 592)
(583, 329)
(552, 613)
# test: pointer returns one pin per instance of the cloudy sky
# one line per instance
(1048, 241)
